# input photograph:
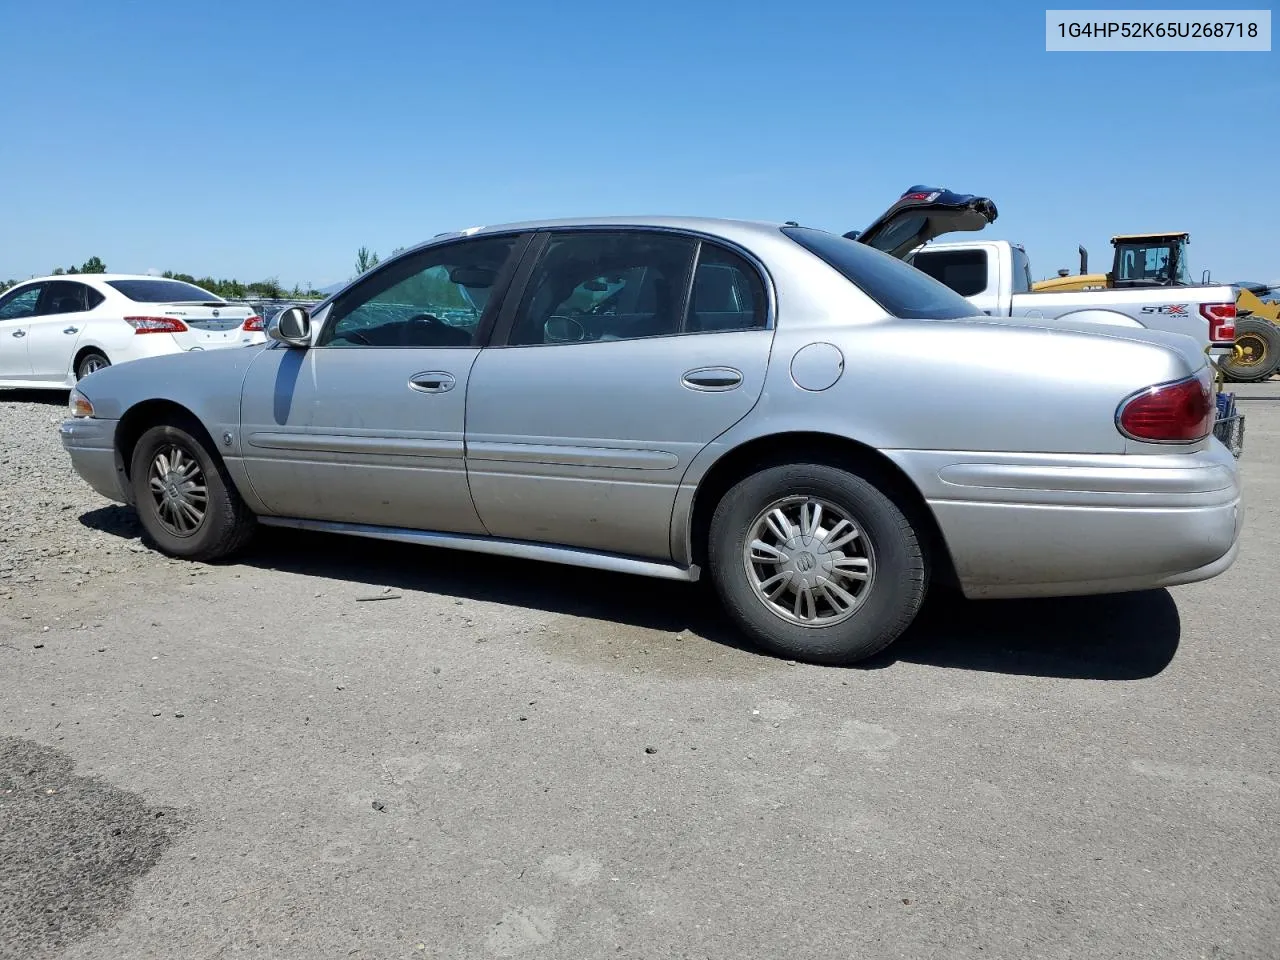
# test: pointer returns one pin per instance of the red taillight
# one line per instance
(1179, 412)
(253, 324)
(156, 324)
(1222, 321)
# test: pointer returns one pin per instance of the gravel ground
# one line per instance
(54, 528)
(364, 750)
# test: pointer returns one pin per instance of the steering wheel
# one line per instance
(428, 319)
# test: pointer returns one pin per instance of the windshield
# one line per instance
(163, 291)
(902, 290)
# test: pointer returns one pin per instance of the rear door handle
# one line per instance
(708, 379)
(434, 381)
(71, 330)
(19, 333)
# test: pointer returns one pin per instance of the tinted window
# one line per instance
(902, 290)
(593, 285)
(163, 291)
(727, 293)
(20, 303)
(435, 298)
(964, 271)
(64, 296)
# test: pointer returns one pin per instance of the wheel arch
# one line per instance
(142, 416)
(81, 351)
(818, 447)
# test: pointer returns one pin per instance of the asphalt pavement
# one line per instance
(338, 748)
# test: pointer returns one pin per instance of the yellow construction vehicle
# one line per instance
(1160, 260)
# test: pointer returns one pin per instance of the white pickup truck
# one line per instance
(995, 276)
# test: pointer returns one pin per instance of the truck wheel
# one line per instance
(814, 563)
(1256, 352)
(186, 502)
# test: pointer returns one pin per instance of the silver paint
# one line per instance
(593, 453)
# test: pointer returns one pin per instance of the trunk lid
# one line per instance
(1190, 349)
(210, 324)
(923, 213)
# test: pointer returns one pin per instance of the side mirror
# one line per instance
(291, 326)
(560, 329)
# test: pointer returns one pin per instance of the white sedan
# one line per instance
(56, 330)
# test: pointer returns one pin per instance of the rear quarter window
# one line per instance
(899, 288)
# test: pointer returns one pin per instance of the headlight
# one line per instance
(80, 405)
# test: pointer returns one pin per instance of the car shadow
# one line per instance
(52, 398)
(1129, 636)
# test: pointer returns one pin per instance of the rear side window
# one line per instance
(163, 291)
(65, 296)
(964, 271)
(902, 290)
(594, 285)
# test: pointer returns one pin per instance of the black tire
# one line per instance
(1262, 337)
(891, 598)
(227, 523)
(92, 360)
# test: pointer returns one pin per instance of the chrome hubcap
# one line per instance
(808, 561)
(178, 489)
(93, 364)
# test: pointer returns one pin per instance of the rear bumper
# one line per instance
(90, 443)
(1059, 526)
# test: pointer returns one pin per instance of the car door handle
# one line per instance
(71, 330)
(712, 378)
(19, 333)
(435, 381)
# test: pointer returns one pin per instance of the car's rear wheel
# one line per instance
(815, 563)
(185, 500)
(91, 362)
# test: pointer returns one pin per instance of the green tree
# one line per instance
(92, 265)
(366, 259)
(58, 271)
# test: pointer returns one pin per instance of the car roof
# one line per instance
(101, 277)
(716, 226)
(706, 224)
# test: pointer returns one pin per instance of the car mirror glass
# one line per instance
(291, 326)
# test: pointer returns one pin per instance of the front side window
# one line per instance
(435, 298)
(900, 289)
(598, 285)
(20, 303)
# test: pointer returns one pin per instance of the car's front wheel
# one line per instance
(815, 563)
(186, 502)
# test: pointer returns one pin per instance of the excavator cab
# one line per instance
(1150, 260)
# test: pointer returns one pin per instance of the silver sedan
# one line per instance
(820, 428)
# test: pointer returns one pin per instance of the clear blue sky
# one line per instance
(275, 138)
